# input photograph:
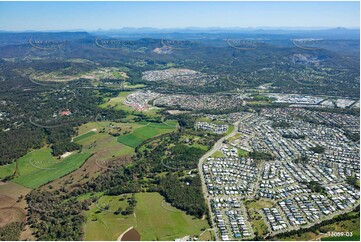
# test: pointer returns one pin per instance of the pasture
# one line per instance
(162, 222)
(148, 131)
(38, 175)
(36, 157)
(39, 167)
(84, 136)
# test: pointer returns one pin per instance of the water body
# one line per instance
(131, 235)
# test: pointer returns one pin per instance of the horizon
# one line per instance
(188, 28)
(106, 16)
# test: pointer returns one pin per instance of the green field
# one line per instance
(217, 154)
(83, 136)
(146, 132)
(153, 219)
(103, 145)
(234, 137)
(260, 227)
(259, 204)
(230, 130)
(135, 86)
(41, 157)
(117, 102)
(41, 177)
(39, 167)
(258, 224)
(242, 153)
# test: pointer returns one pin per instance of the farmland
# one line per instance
(40, 167)
(170, 223)
(11, 208)
(84, 136)
(147, 131)
(102, 140)
(41, 177)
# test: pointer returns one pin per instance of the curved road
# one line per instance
(215, 147)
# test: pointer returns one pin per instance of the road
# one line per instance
(215, 147)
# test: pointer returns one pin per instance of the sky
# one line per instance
(20, 16)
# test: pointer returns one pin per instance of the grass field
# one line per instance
(135, 86)
(41, 177)
(217, 154)
(41, 157)
(234, 137)
(153, 219)
(257, 222)
(105, 146)
(260, 226)
(39, 167)
(118, 102)
(242, 153)
(146, 132)
(230, 130)
(83, 136)
(207, 235)
(259, 204)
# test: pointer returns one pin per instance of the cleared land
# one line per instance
(12, 209)
(104, 146)
(242, 153)
(148, 131)
(162, 222)
(217, 154)
(258, 224)
(117, 102)
(40, 160)
(39, 167)
(41, 177)
(83, 136)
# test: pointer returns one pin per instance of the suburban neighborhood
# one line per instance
(296, 161)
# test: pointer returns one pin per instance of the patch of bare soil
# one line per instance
(10, 215)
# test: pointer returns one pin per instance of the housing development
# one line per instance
(295, 167)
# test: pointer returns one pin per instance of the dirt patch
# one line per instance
(27, 234)
(66, 154)
(130, 235)
(12, 209)
(9, 215)
(175, 112)
(6, 201)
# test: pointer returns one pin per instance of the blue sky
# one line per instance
(19, 16)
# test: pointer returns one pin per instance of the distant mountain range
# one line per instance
(7, 37)
(276, 30)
